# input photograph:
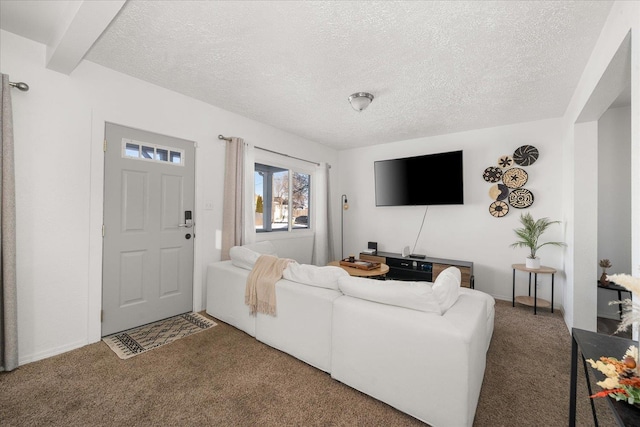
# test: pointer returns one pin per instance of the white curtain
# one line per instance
(8, 287)
(233, 206)
(249, 232)
(323, 241)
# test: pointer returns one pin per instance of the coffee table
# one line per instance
(358, 272)
(591, 345)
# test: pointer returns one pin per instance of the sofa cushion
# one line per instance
(447, 287)
(263, 248)
(313, 275)
(246, 256)
(414, 295)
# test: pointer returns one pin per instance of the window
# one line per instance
(143, 151)
(281, 199)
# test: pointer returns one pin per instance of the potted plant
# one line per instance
(529, 236)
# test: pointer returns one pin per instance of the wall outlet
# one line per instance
(208, 206)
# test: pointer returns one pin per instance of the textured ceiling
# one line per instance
(434, 67)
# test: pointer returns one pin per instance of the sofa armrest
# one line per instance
(226, 285)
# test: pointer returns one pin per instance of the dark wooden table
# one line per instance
(615, 287)
(593, 346)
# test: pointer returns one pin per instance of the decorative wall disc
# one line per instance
(526, 155)
(492, 174)
(505, 162)
(499, 209)
(515, 177)
(498, 192)
(521, 198)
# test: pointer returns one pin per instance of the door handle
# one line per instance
(188, 221)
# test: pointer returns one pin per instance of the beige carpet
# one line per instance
(138, 340)
(223, 377)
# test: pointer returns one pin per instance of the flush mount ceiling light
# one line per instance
(360, 100)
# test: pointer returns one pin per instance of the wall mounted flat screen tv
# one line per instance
(432, 179)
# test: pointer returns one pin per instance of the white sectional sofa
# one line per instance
(390, 340)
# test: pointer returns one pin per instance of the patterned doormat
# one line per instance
(147, 337)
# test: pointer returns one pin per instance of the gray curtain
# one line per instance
(8, 291)
(233, 206)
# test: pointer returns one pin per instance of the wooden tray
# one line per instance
(361, 264)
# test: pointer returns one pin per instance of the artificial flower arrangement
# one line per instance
(631, 309)
(622, 381)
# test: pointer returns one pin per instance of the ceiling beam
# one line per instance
(80, 27)
(612, 85)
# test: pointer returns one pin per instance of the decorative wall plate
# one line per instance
(505, 162)
(521, 198)
(515, 177)
(498, 209)
(492, 174)
(526, 155)
(498, 192)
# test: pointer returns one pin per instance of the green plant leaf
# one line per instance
(530, 233)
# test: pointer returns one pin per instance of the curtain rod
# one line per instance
(20, 86)
(275, 152)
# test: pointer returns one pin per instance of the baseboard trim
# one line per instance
(34, 357)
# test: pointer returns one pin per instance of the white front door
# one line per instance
(147, 271)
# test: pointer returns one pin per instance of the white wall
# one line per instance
(584, 244)
(467, 232)
(614, 200)
(58, 130)
(581, 263)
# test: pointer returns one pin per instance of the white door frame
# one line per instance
(94, 273)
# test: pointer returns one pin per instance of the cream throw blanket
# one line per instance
(260, 292)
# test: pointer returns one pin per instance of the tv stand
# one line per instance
(420, 269)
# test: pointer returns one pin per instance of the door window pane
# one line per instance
(132, 150)
(162, 155)
(147, 152)
(176, 157)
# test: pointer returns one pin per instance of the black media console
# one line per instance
(420, 269)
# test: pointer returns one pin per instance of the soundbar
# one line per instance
(419, 256)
